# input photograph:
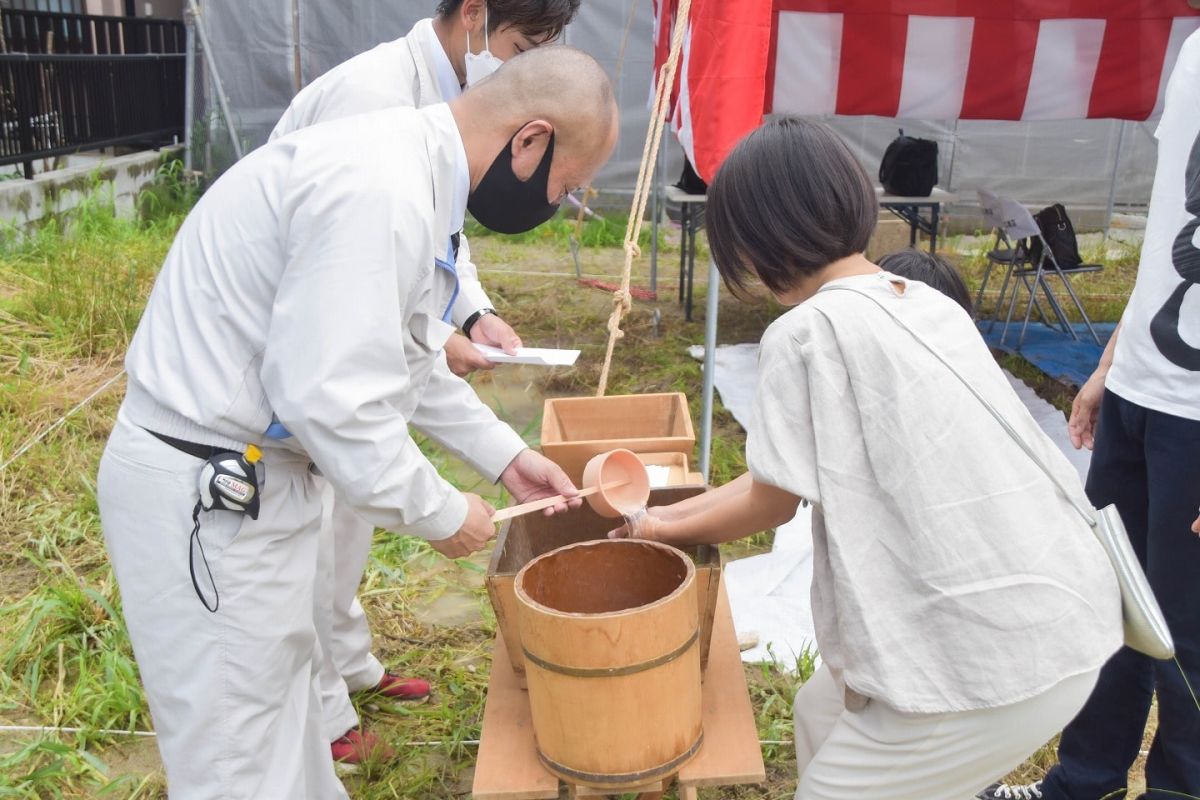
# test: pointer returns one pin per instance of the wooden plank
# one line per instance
(731, 753)
(508, 767)
(595, 791)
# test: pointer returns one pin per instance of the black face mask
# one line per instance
(505, 204)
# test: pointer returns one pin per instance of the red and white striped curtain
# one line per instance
(917, 59)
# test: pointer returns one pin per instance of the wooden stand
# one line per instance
(509, 769)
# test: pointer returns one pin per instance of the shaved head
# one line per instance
(555, 93)
(560, 84)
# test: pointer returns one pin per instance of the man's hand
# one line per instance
(475, 532)
(1196, 526)
(1085, 410)
(532, 476)
(462, 357)
(490, 329)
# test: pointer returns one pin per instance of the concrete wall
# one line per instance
(24, 203)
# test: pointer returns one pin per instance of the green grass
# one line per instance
(70, 296)
(604, 230)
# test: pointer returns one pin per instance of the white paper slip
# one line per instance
(538, 356)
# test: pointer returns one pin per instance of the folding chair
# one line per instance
(1019, 223)
(1011, 254)
(1003, 251)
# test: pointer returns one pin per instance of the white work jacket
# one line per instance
(304, 285)
(409, 72)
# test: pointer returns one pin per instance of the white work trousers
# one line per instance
(344, 653)
(882, 754)
(233, 693)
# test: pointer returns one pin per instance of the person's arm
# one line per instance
(1086, 408)
(704, 501)
(452, 415)
(335, 363)
(472, 299)
(734, 515)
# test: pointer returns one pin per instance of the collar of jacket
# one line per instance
(425, 84)
(443, 145)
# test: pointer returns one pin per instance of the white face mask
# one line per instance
(483, 63)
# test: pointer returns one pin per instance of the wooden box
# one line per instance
(524, 538)
(676, 463)
(576, 428)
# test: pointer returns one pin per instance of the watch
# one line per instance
(471, 320)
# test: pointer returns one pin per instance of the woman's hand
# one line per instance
(649, 526)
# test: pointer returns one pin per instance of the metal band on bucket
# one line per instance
(627, 778)
(613, 672)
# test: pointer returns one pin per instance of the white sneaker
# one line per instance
(1004, 791)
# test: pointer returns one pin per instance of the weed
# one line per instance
(69, 297)
(607, 231)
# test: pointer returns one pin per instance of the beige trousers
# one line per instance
(881, 754)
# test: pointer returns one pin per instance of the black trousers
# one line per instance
(1148, 464)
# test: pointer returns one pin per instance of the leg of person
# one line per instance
(882, 754)
(337, 710)
(1172, 565)
(351, 646)
(1100, 745)
(230, 691)
(818, 705)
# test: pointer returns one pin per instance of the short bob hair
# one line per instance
(539, 19)
(789, 200)
(930, 269)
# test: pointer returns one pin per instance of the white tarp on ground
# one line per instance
(769, 593)
(264, 50)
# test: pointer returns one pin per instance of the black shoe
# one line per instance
(1006, 791)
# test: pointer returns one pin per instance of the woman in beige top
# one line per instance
(962, 607)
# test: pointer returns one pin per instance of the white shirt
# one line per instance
(1157, 359)
(412, 71)
(304, 283)
(949, 573)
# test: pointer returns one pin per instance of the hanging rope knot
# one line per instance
(622, 298)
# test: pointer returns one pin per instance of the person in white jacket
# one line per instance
(297, 324)
(465, 42)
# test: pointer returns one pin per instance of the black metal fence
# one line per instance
(57, 104)
(85, 34)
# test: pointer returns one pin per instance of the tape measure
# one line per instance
(229, 481)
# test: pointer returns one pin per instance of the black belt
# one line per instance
(201, 451)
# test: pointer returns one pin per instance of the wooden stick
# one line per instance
(546, 502)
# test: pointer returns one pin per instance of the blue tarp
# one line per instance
(1053, 351)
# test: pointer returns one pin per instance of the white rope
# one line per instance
(59, 422)
(641, 195)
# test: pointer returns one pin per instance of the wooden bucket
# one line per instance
(610, 637)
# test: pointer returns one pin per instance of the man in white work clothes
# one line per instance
(298, 321)
(465, 42)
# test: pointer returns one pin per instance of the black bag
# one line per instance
(1059, 233)
(689, 182)
(909, 167)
